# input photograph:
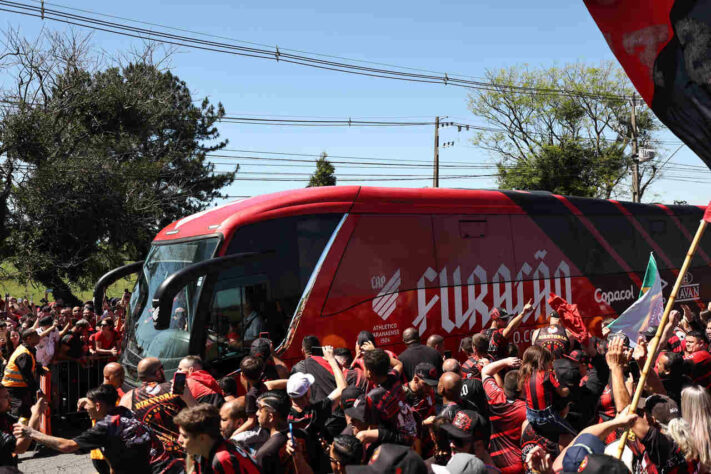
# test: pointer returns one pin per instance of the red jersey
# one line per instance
(498, 344)
(539, 389)
(506, 417)
(388, 408)
(100, 341)
(471, 368)
(699, 368)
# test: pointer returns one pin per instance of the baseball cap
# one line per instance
(353, 402)
(578, 356)
(602, 464)
(650, 332)
(662, 408)
(391, 459)
(499, 314)
(468, 424)
(584, 445)
(260, 348)
(567, 372)
(298, 384)
(427, 372)
(464, 463)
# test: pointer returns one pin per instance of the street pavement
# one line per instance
(47, 461)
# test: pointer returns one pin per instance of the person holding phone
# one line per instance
(155, 403)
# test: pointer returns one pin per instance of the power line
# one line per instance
(278, 55)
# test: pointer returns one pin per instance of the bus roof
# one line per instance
(224, 219)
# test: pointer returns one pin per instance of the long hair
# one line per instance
(679, 431)
(535, 358)
(696, 409)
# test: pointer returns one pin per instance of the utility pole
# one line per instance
(435, 174)
(635, 151)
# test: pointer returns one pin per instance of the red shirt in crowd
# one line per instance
(506, 417)
(539, 390)
(700, 368)
(99, 340)
(471, 368)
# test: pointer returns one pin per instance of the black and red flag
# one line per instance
(665, 48)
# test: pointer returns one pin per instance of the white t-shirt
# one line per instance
(47, 346)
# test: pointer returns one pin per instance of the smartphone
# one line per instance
(316, 350)
(48, 290)
(179, 383)
(291, 433)
(447, 354)
(264, 335)
(39, 394)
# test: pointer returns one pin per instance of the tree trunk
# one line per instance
(60, 290)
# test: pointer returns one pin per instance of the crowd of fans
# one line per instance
(560, 406)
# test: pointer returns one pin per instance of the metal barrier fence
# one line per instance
(67, 382)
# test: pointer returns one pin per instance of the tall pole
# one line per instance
(435, 171)
(635, 151)
(654, 345)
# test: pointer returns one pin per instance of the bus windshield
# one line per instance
(169, 345)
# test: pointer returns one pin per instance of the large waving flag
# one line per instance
(647, 310)
(664, 47)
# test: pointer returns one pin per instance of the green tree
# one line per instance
(578, 143)
(107, 158)
(324, 174)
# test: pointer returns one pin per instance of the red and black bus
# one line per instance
(333, 261)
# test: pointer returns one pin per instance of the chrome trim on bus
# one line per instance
(309, 286)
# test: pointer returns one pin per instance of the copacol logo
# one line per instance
(610, 297)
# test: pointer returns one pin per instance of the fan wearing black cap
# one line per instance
(391, 459)
(418, 391)
(503, 324)
(469, 432)
(274, 369)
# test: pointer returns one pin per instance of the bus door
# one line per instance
(237, 315)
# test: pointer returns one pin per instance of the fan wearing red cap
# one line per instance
(503, 325)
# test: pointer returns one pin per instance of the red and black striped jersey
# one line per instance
(387, 407)
(698, 368)
(471, 368)
(226, 458)
(539, 389)
(506, 417)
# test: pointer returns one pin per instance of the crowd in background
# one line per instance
(560, 406)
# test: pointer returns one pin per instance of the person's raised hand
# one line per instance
(528, 306)
(512, 362)
(616, 355)
(327, 352)
(368, 346)
(640, 352)
(539, 461)
(625, 418)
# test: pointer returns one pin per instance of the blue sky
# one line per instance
(457, 37)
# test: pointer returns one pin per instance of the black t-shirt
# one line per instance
(664, 452)
(417, 353)
(250, 400)
(272, 457)
(674, 385)
(473, 397)
(7, 440)
(128, 444)
(76, 348)
(324, 381)
(312, 418)
(450, 410)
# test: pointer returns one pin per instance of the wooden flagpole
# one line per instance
(652, 352)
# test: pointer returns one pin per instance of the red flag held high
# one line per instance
(570, 318)
(707, 214)
(663, 47)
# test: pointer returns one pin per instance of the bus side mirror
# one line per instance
(109, 278)
(165, 294)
